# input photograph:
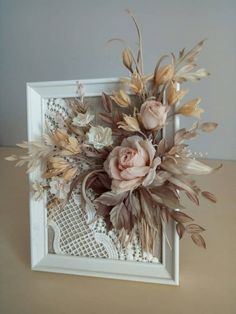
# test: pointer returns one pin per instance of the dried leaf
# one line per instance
(179, 135)
(110, 198)
(146, 207)
(135, 204)
(106, 117)
(162, 146)
(208, 126)
(168, 200)
(11, 158)
(180, 229)
(103, 210)
(192, 197)
(190, 56)
(184, 75)
(107, 103)
(180, 216)
(181, 53)
(193, 228)
(139, 65)
(161, 177)
(198, 240)
(120, 217)
(117, 117)
(165, 214)
(211, 197)
(177, 149)
(187, 166)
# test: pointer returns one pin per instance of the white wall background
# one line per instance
(58, 40)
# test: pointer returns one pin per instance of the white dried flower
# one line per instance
(59, 187)
(38, 190)
(83, 119)
(80, 90)
(100, 137)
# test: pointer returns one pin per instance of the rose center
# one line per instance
(125, 158)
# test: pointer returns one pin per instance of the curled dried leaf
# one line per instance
(211, 197)
(180, 216)
(187, 166)
(198, 240)
(11, 158)
(180, 229)
(107, 103)
(165, 214)
(120, 217)
(166, 199)
(110, 198)
(117, 117)
(106, 117)
(135, 204)
(208, 126)
(191, 55)
(193, 228)
(185, 75)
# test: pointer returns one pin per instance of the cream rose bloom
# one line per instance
(82, 119)
(100, 137)
(153, 114)
(132, 164)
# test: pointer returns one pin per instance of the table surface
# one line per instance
(207, 277)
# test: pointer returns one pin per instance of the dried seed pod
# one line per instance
(129, 124)
(174, 95)
(121, 98)
(191, 108)
(163, 75)
(127, 59)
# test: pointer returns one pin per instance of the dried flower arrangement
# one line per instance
(136, 174)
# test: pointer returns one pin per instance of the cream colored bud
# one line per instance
(127, 59)
(174, 95)
(191, 109)
(121, 98)
(164, 74)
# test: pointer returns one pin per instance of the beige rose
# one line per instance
(131, 164)
(153, 114)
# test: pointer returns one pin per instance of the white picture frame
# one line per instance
(166, 272)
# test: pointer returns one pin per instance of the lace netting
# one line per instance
(78, 233)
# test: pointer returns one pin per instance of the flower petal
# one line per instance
(148, 147)
(152, 172)
(134, 172)
(113, 170)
